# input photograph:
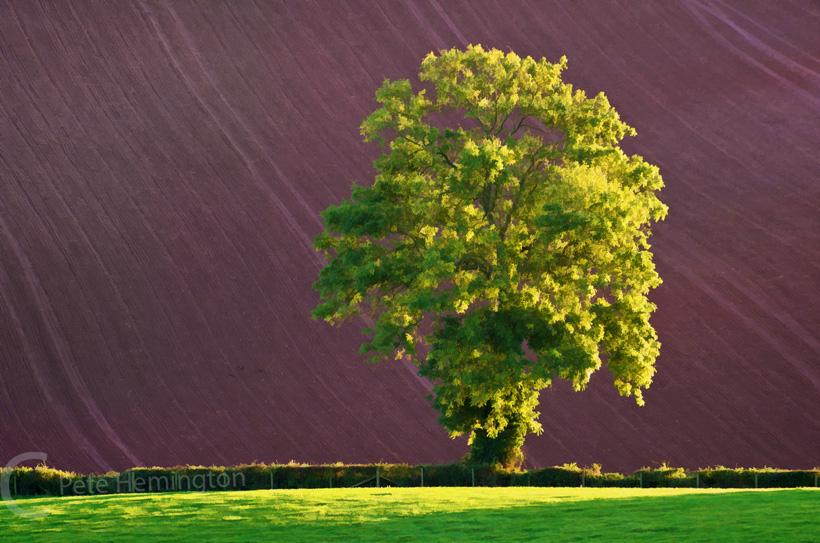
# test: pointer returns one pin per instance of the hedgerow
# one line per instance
(43, 480)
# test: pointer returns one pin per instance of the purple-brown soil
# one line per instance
(162, 166)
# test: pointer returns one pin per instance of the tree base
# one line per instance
(504, 449)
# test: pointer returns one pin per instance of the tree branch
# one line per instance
(443, 154)
(520, 124)
(495, 116)
(534, 162)
(501, 126)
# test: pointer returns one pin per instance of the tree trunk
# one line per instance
(504, 449)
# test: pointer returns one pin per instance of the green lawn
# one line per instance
(426, 514)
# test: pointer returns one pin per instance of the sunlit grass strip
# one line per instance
(426, 514)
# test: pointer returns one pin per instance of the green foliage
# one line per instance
(504, 242)
(39, 480)
(50, 482)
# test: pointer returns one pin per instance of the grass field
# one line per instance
(426, 514)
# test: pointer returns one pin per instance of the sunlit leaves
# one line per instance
(504, 242)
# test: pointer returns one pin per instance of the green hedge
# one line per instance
(46, 481)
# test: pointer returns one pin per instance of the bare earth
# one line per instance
(161, 170)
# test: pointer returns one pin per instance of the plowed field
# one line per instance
(162, 166)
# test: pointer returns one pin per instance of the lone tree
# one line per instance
(503, 243)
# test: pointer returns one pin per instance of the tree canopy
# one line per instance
(503, 244)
